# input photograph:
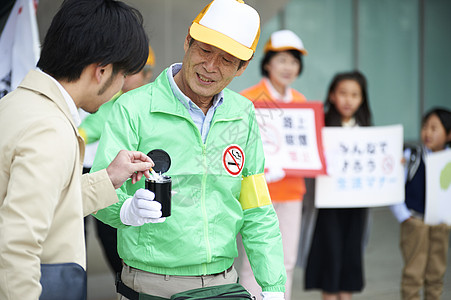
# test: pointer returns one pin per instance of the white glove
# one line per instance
(273, 296)
(141, 209)
(274, 174)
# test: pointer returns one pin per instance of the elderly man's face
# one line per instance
(207, 70)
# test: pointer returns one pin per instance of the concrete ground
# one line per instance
(383, 264)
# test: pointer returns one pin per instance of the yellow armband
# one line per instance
(254, 192)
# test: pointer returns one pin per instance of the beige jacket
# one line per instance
(43, 195)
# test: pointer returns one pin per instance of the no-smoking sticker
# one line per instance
(233, 160)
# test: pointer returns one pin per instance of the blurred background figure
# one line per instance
(424, 247)
(335, 260)
(280, 67)
(90, 129)
(139, 79)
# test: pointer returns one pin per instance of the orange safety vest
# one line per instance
(290, 188)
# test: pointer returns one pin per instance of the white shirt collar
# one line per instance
(70, 102)
(288, 97)
(350, 123)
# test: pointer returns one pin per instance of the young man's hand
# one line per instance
(129, 164)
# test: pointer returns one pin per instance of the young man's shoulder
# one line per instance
(38, 106)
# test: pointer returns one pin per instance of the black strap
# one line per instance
(124, 290)
(130, 293)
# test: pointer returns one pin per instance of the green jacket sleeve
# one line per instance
(91, 127)
(118, 134)
(260, 232)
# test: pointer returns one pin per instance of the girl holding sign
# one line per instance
(280, 67)
(424, 247)
(335, 261)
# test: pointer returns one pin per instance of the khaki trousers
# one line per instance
(289, 214)
(167, 285)
(424, 249)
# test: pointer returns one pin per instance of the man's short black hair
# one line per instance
(94, 31)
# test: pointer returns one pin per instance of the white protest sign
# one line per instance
(363, 165)
(438, 188)
(291, 136)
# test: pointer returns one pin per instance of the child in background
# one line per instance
(280, 67)
(424, 247)
(335, 260)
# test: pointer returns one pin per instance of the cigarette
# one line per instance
(154, 174)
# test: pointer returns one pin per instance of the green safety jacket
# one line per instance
(216, 196)
(91, 127)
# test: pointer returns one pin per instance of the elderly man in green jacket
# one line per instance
(217, 167)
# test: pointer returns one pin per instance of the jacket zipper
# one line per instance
(203, 189)
(204, 207)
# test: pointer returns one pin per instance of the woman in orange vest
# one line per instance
(280, 67)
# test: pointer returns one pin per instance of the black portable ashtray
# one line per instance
(162, 188)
